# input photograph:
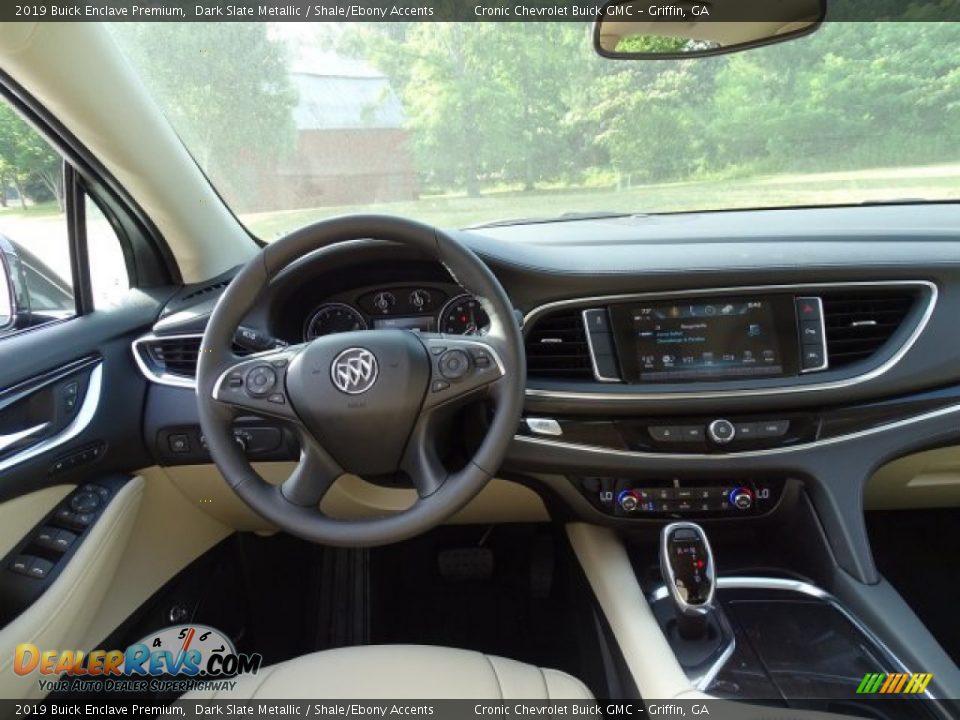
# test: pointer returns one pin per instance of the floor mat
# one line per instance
(509, 590)
(507, 611)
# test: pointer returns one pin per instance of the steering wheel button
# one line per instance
(439, 385)
(261, 380)
(277, 398)
(454, 364)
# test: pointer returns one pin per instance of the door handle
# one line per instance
(7, 441)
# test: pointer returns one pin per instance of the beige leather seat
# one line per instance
(401, 672)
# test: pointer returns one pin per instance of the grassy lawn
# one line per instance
(934, 182)
(13, 210)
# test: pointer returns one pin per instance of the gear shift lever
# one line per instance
(686, 563)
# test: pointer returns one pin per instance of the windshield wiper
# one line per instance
(564, 217)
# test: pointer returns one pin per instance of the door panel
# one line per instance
(71, 409)
(58, 619)
(37, 371)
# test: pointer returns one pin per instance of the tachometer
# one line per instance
(333, 318)
(463, 315)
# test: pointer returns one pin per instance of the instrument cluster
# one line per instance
(422, 308)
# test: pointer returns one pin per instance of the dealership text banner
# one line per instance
(454, 10)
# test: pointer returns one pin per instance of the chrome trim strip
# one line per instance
(13, 438)
(18, 392)
(151, 373)
(587, 302)
(544, 426)
(598, 376)
(823, 337)
(718, 457)
(91, 401)
(703, 682)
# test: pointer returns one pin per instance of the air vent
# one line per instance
(557, 347)
(858, 325)
(178, 355)
(175, 356)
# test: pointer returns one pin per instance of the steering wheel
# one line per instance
(368, 402)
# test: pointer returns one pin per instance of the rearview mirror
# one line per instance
(631, 29)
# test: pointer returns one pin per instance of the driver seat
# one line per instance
(402, 672)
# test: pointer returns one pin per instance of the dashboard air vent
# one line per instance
(178, 355)
(557, 347)
(175, 356)
(858, 325)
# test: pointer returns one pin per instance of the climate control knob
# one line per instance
(741, 498)
(628, 501)
(721, 431)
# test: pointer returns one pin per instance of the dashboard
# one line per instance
(694, 365)
(755, 371)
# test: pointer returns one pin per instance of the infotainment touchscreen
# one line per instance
(704, 339)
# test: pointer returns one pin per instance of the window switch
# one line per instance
(64, 540)
(47, 537)
(40, 568)
(22, 564)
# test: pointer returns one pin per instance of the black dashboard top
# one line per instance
(581, 264)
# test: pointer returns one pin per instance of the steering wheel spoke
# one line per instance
(257, 383)
(421, 460)
(460, 368)
(314, 475)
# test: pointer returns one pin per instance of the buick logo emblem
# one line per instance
(354, 371)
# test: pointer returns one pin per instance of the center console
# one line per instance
(715, 613)
(774, 639)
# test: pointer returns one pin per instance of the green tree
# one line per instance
(235, 109)
(483, 101)
(26, 156)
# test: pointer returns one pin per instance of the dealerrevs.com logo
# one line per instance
(176, 658)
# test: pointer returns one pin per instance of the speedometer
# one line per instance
(463, 315)
(333, 318)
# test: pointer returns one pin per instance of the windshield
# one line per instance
(463, 123)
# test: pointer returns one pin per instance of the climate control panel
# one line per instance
(666, 498)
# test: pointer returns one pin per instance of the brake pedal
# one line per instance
(464, 564)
